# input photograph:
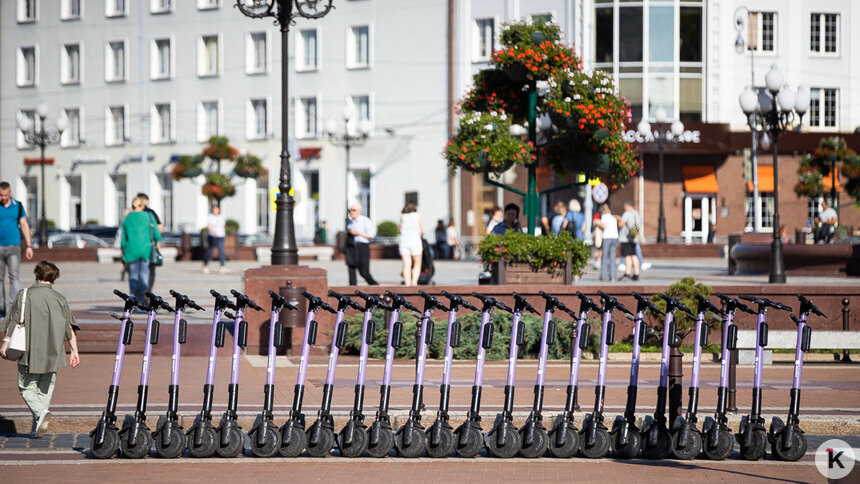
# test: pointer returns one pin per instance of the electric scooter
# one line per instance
(104, 439)
(135, 437)
(264, 435)
(533, 434)
(170, 440)
(626, 440)
(594, 434)
(231, 439)
(656, 439)
(201, 435)
(718, 440)
(320, 437)
(751, 435)
(564, 436)
(469, 436)
(440, 435)
(410, 439)
(503, 439)
(352, 438)
(686, 438)
(787, 441)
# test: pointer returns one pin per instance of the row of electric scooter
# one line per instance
(656, 439)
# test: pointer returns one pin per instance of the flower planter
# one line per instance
(480, 168)
(524, 273)
(192, 172)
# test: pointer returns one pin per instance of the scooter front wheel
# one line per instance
(175, 446)
(570, 441)
(415, 448)
(292, 445)
(271, 443)
(629, 450)
(540, 442)
(757, 447)
(109, 446)
(445, 445)
(724, 447)
(358, 444)
(797, 450)
(384, 443)
(323, 445)
(661, 448)
(691, 449)
(208, 442)
(139, 448)
(235, 444)
(512, 441)
(600, 447)
(474, 441)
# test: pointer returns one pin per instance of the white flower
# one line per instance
(489, 127)
(567, 99)
(503, 116)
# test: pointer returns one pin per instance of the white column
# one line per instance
(64, 192)
(706, 217)
(248, 224)
(688, 220)
(109, 214)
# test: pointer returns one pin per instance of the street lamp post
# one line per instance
(741, 19)
(348, 138)
(284, 249)
(784, 113)
(661, 138)
(41, 137)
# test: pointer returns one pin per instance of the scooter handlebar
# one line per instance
(552, 301)
(458, 301)
(675, 303)
(764, 302)
(807, 306)
(280, 302)
(587, 304)
(610, 303)
(706, 305)
(400, 301)
(521, 303)
(122, 295)
(431, 302)
(733, 304)
(645, 304)
(372, 302)
(244, 300)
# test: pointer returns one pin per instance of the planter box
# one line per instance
(524, 273)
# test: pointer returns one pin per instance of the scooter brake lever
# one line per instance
(324, 306)
(521, 301)
(229, 315)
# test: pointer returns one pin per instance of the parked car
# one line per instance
(106, 233)
(72, 239)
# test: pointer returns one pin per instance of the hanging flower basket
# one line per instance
(249, 166)
(218, 187)
(485, 144)
(187, 166)
(219, 149)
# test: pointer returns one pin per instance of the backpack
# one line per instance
(633, 232)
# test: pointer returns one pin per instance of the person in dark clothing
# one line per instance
(441, 241)
(160, 228)
(361, 230)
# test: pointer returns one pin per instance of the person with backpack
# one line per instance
(13, 226)
(628, 235)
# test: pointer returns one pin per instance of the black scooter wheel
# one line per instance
(296, 443)
(724, 447)
(384, 443)
(358, 445)
(208, 442)
(175, 447)
(415, 448)
(474, 441)
(660, 450)
(797, 450)
(757, 447)
(570, 442)
(235, 444)
(141, 446)
(540, 442)
(323, 445)
(691, 449)
(599, 449)
(272, 442)
(109, 446)
(512, 442)
(445, 445)
(629, 450)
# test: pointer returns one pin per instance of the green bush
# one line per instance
(231, 226)
(386, 228)
(683, 290)
(541, 252)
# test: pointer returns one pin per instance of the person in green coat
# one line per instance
(48, 320)
(139, 232)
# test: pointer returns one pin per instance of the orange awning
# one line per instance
(765, 179)
(699, 179)
(828, 182)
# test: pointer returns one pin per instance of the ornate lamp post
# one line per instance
(784, 113)
(348, 138)
(41, 137)
(284, 249)
(666, 132)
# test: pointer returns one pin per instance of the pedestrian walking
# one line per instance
(216, 231)
(47, 321)
(441, 247)
(13, 227)
(139, 233)
(160, 226)
(453, 240)
(609, 224)
(628, 236)
(360, 231)
(411, 230)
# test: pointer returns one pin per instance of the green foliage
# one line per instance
(249, 166)
(485, 143)
(231, 226)
(683, 290)
(519, 34)
(548, 252)
(386, 228)
(809, 179)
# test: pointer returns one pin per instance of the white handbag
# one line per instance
(18, 339)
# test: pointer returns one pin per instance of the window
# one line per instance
(661, 23)
(160, 6)
(362, 108)
(258, 119)
(485, 39)
(824, 40)
(207, 4)
(165, 180)
(27, 66)
(116, 8)
(822, 108)
(115, 127)
(603, 35)
(72, 135)
(70, 64)
(256, 53)
(690, 26)
(115, 61)
(161, 123)
(208, 120)
(762, 31)
(306, 118)
(544, 18)
(26, 11)
(308, 48)
(630, 25)
(70, 10)
(209, 62)
(27, 114)
(263, 205)
(358, 47)
(161, 64)
(766, 211)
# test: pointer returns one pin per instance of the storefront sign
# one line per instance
(688, 136)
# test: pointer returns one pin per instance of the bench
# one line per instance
(315, 252)
(783, 339)
(109, 255)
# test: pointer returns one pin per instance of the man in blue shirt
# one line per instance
(361, 230)
(572, 220)
(13, 222)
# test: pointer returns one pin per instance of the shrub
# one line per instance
(386, 228)
(231, 226)
(683, 290)
(541, 252)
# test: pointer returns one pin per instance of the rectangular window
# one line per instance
(162, 60)
(258, 121)
(160, 6)
(26, 114)
(209, 120)
(690, 99)
(761, 31)
(485, 39)
(661, 92)
(256, 53)
(307, 122)
(603, 34)
(307, 53)
(690, 25)
(358, 47)
(207, 4)
(116, 8)
(822, 108)
(70, 10)
(115, 126)
(26, 11)
(630, 34)
(766, 211)
(362, 108)
(161, 125)
(824, 33)
(27, 66)
(70, 64)
(209, 62)
(72, 134)
(115, 60)
(263, 205)
(631, 88)
(165, 180)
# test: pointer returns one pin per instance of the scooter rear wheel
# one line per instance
(724, 447)
(689, 451)
(445, 445)
(235, 444)
(797, 450)
(570, 444)
(140, 448)
(474, 441)
(272, 442)
(208, 442)
(296, 443)
(358, 445)
(175, 446)
(540, 442)
(757, 447)
(512, 442)
(660, 450)
(323, 445)
(600, 448)
(629, 450)
(416, 447)
(384, 443)
(109, 446)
